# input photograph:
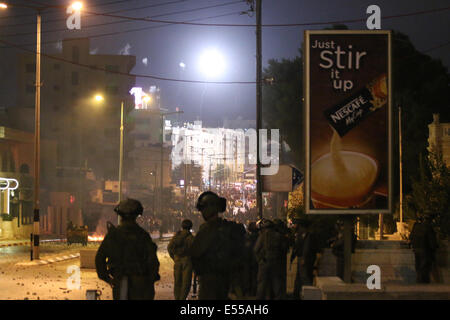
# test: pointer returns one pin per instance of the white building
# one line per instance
(210, 148)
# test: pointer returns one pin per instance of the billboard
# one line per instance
(347, 79)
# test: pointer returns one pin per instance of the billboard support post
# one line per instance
(348, 234)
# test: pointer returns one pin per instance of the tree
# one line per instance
(282, 105)
(430, 195)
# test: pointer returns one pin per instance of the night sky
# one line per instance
(165, 46)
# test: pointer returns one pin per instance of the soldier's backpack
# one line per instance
(178, 246)
(228, 249)
(133, 250)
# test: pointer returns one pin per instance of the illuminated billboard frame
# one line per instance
(309, 208)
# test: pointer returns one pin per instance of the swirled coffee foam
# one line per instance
(343, 174)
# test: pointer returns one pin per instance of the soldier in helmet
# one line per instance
(250, 263)
(306, 247)
(424, 243)
(178, 249)
(270, 250)
(215, 250)
(126, 259)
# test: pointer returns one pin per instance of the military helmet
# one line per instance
(209, 198)
(186, 224)
(129, 207)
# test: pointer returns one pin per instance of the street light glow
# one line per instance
(212, 63)
(77, 6)
(147, 99)
(98, 97)
(3, 5)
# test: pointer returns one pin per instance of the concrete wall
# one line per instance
(397, 263)
(10, 230)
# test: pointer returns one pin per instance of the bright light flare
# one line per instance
(77, 5)
(146, 99)
(182, 65)
(212, 63)
(3, 5)
(96, 238)
(99, 98)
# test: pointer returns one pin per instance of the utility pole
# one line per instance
(224, 159)
(162, 115)
(37, 143)
(258, 108)
(161, 186)
(121, 158)
(400, 156)
(185, 189)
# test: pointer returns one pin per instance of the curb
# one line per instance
(49, 260)
(26, 243)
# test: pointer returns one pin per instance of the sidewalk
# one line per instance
(51, 238)
(334, 288)
(14, 242)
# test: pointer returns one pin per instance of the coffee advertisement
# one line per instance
(347, 78)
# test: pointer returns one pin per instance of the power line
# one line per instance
(152, 76)
(124, 10)
(266, 25)
(126, 20)
(253, 25)
(94, 5)
(191, 21)
(124, 73)
(129, 30)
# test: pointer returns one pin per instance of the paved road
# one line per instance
(50, 282)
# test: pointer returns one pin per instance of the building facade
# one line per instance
(222, 153)
(87, 133)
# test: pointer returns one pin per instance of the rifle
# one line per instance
(194, 287)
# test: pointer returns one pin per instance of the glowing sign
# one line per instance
(8, 185)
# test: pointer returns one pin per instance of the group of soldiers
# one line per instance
(227, 258)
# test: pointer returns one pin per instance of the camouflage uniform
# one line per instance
(250, 263)
(127, 258)
(212, 258)
(182, 270)
(424, 243)
(270, 250)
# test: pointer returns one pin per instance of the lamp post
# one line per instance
(162, 115)
(37, 147)
(99, 98)
(121, 158)
(153, 173)
(162, 155)
(258, 108)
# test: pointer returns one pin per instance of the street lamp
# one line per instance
(162, 115)
(153, 174)
(77, 5)
(100, 98)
